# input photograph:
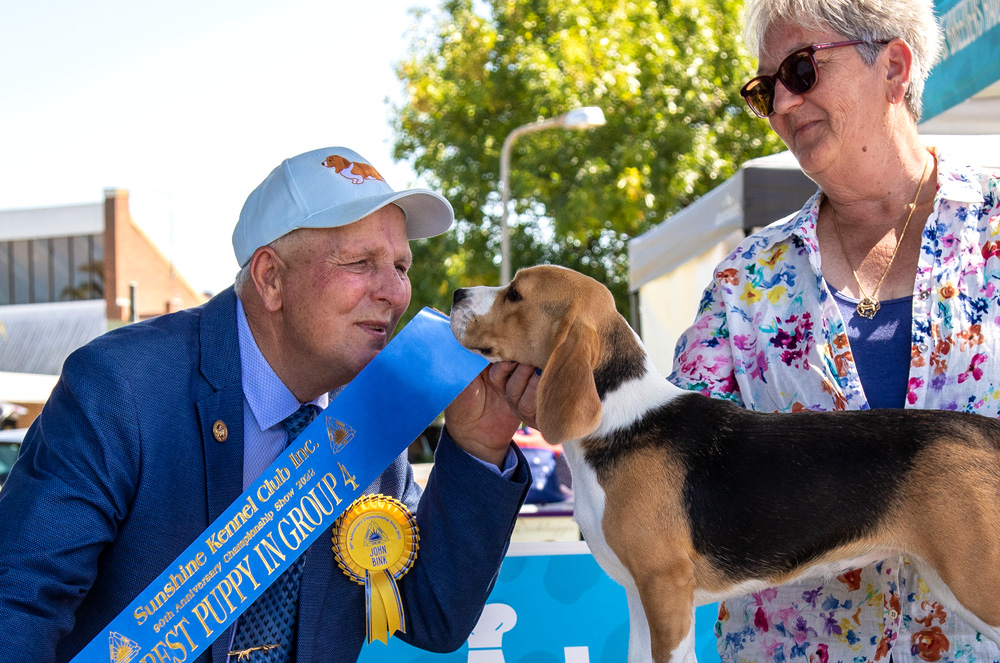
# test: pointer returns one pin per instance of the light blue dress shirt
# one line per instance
(266, 403)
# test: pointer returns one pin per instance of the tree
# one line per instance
(667, 75)
(89, 283)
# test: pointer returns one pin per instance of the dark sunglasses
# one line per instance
(798, 72)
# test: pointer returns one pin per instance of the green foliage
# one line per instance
(667, 75)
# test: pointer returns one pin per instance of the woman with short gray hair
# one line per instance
(881, 292)
(871, 23)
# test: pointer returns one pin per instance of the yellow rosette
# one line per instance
(375, 543)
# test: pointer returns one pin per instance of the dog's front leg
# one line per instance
(668, 602)
(639, 648)
(649, 538)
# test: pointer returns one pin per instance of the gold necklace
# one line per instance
(869, 304)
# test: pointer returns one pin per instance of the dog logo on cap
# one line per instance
(358, 173)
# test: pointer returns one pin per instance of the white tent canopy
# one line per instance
(26, 387)
(762, 191)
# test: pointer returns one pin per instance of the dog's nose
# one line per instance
(459, 295)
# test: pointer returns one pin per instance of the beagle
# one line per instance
(358, 173)
(685, 500)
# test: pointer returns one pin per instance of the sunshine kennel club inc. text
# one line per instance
(217, 592)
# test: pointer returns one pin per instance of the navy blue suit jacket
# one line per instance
(121, 472)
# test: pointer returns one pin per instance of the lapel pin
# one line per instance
(219, 431)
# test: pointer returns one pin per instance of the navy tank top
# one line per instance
(881, 348)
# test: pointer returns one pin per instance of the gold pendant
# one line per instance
(868, 307)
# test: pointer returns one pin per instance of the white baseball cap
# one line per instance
(328, 188)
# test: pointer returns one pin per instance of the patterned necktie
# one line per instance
(266, 631)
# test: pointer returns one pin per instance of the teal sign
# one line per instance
(548, 608)
(971, 57)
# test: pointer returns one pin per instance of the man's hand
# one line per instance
(484, 417)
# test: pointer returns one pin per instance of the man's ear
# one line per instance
(899, 58)
(266, 270)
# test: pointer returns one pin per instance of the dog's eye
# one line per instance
(512, 294)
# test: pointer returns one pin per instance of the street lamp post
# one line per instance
(580, 118)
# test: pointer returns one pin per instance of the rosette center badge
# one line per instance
(375, 543)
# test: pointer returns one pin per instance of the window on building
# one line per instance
(41, 270)
(21, 260)
(84, 286)
(97, 256)
(61, 266)
(5, 274)
(52, 269)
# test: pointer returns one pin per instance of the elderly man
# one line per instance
(128, 462)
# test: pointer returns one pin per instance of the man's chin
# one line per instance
(366, 349)
(365, 358)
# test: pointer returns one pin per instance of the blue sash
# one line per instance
(294, 501)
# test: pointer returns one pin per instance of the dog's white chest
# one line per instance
(588, 511)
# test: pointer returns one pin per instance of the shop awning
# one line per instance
(971, 59)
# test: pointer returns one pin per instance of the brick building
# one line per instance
(68, 274)
(86, 252)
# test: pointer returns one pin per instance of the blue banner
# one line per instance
(971, 57)
(552, 603)
(294, 501)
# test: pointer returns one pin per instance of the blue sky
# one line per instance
(189, 104)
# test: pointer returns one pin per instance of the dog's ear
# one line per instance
(568, 405)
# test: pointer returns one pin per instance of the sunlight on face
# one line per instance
(343, 293)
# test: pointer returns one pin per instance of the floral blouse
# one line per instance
(769, 336)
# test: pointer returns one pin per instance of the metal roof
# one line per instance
(62, 221)
(37, 338)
